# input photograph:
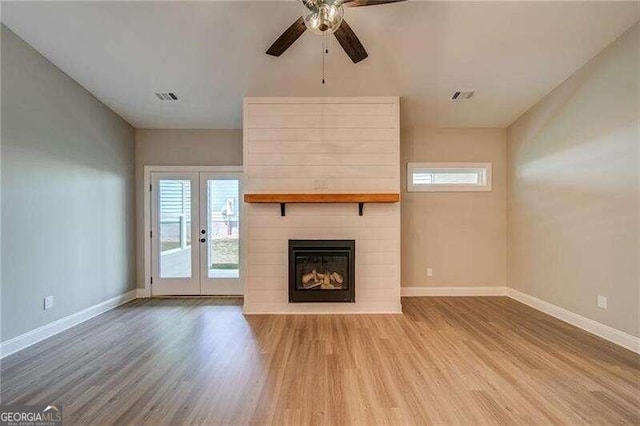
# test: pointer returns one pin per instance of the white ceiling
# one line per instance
(212, 55)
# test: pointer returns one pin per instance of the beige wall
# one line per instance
(573, 190)
(178, 147)
(462, 236)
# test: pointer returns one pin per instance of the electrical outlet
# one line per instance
(47, 302)
(602, 302)
(429, 272)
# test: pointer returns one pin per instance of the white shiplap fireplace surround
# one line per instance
(322, 145)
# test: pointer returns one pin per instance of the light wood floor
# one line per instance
(445, 361)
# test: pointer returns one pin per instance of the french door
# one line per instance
(195, 233)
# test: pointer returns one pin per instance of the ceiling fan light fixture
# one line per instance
(325, 19)
(322, 17)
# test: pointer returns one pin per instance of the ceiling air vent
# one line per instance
(167, 96)
(463, 95)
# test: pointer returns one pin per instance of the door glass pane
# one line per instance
(224, 221)
(175, 228)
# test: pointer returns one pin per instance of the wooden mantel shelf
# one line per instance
(322, 198)
(283, 199)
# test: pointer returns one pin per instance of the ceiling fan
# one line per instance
(326, 17)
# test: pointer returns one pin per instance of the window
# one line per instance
(448, 177)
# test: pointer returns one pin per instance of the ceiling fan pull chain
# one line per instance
(326, 45)
(324, 49)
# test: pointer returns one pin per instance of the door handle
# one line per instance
(202, 240)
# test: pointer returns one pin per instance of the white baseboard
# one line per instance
(594, 327)
(453, 291)
(142, 293)
(34, 336)
(608, 333)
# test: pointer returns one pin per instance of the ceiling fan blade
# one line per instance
(359, 3)
(287, 38)
(350, 43)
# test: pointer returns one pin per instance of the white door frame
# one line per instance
(147, 214)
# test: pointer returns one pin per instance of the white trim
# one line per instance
(34, 336)
(196, 169)
(453, 291)
(485, 185)
(244, 248)
(594, 327)
(604, 331)
(142, 293)
(146, 209)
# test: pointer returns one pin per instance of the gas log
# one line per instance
(326, 281)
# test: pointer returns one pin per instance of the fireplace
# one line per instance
(322, 271)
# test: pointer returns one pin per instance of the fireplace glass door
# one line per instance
(321, 271)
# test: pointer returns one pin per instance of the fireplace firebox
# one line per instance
(322, 271)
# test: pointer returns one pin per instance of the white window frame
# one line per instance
(485, 185)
